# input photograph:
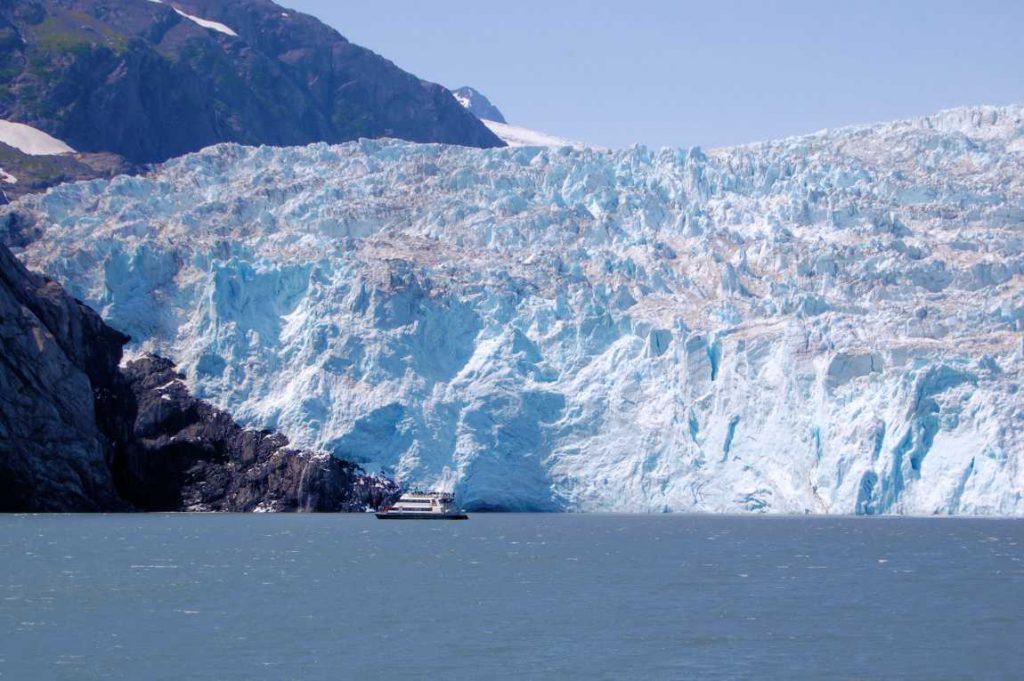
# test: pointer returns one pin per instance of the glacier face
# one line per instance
(828, 324)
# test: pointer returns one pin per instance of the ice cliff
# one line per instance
(828, 324)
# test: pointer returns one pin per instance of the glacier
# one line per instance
(831, 323)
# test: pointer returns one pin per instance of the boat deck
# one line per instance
(406, 515)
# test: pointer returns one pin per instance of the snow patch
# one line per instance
(31, 141)
(523, 137)
(7, 177)
(205, 23)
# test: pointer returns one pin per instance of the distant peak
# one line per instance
(478, 105)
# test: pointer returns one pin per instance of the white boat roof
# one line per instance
(427, 495)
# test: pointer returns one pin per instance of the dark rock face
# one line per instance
(141, 80)
(79, 434)
(478, 105)
(184, 454)
(56, 358)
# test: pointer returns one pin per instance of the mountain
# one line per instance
(513, 136)
(79, 433)
(478, 105)
(827, 324)
(150, 80)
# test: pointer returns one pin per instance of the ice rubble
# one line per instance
(826, 324)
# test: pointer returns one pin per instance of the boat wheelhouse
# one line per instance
(423, 506)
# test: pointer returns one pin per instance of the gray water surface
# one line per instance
(225, 597)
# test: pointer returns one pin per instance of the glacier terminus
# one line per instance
(831, 323)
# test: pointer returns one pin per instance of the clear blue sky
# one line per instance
(711, 73)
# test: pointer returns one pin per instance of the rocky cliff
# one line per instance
(77, 433)
(58, 362)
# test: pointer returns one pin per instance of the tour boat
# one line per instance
(423, 506)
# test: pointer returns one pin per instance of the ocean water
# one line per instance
(225, 597)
